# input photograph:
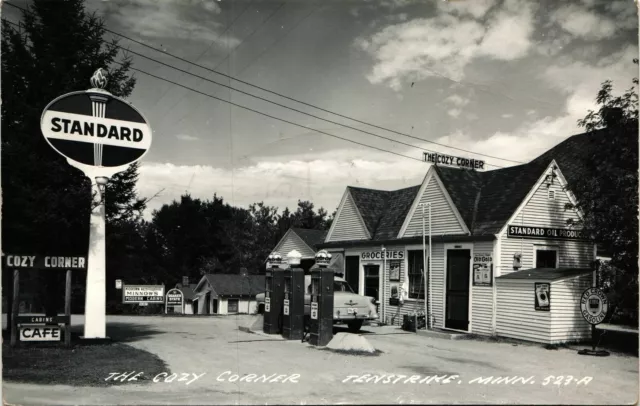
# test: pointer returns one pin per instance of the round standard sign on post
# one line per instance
(101, 135)
(594, 306)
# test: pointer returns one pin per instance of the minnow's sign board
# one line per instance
(96, 128)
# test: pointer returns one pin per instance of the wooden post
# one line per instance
(15, 307)
(67, 310)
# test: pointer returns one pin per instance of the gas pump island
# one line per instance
(274, 291)
(321, 311)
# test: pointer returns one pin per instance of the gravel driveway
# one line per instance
(233, 365)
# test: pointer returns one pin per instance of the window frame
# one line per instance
(237, 305)
(410, 275)
(538, 247)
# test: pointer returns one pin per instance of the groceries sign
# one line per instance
(95, 128)
(546, 233)
(379, 255)
(143, 294)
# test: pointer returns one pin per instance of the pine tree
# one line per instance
(46, 205)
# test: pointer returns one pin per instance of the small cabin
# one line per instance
(227, 294)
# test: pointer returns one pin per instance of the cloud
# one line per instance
(457, 100)
(444, 45)
(507, 115)
(174, 19)
(186, 137)
(277, 182)
(476, 8)
(584, 23)
(454, 112)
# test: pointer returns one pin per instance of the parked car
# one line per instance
(348, 307)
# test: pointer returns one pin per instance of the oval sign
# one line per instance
(96, 128)
(594, 305)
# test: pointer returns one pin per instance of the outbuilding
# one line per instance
(306, 242)
(227, 294)
(484, 225)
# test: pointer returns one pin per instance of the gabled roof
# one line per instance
(235, 285)
(485, 200)
(310, 237)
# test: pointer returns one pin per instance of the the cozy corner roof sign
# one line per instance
(546, 233)
(96, 128)
(435, 158)
(43, 262)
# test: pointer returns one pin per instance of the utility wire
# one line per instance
(289, 98)
(209, 47)
(271, 116)
(234, 49)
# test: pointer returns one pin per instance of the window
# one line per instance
(546, 257)
(232, 306)
(552, 195)
(416, 275)
(340, 286)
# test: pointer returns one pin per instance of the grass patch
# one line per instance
(81, 365)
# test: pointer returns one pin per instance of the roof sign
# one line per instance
(451, 160)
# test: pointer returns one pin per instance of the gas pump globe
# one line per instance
(273, 293)
(293, 303)
(321, 307)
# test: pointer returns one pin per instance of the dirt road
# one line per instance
(233, 366)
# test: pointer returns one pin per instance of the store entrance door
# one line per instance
(372, 281)
(457, 312)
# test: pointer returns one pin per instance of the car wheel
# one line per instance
(354, 326)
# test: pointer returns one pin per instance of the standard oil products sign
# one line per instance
(143, 294)
(546, 233)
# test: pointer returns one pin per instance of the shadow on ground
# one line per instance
(123, 332)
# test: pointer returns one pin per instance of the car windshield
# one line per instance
(340, 286)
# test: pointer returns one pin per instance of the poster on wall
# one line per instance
(543, 299)
(394, 300)
(482, 269)
(394, 271)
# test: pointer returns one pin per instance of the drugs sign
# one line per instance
(40, 333)
(95, 128)
(594, 305)
(143, 294)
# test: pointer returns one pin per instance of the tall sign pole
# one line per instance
(101, 135)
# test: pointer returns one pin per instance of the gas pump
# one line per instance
(273, 292)
(321, 304)
(293, 304)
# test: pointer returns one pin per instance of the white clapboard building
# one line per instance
(227, 294)
(490, 230)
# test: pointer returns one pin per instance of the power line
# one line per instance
(209, 47)
(271, 116)
(236, 47)
(278, 104)
(268, 115)
(287, 97)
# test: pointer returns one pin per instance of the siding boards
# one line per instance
(516, 316)
(542, 212)
(292, 241)
(349, 225)
(443, 218)
(482, 296)
(567, 323)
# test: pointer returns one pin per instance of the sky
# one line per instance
(507, 78)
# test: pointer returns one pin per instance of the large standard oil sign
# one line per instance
(96, 128)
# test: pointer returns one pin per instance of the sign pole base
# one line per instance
(594, 342)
